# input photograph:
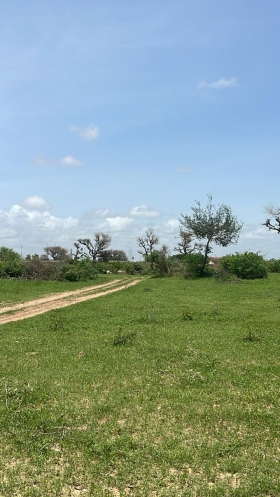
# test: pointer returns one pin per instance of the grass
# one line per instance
(169, 388)
(14, 290)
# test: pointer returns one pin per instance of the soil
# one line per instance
(58, 300)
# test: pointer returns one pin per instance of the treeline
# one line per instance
(36, 267)
(158, 263)
(197, 233)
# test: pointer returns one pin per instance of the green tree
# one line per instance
(211, 224)
(57, 253)
(113, 255)
(10, 263)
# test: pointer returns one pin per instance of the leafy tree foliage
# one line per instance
(274, 225)
(248, 265)
(193, 265)
(74, 270)
(10, 263)
(273, 265)
(159, 260)
(113, 255)
(57, 253)
(211, 224)
(96, 247)
(147, 244)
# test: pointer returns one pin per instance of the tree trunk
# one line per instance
(205, 258)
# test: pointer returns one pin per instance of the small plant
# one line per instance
(123, 338)
(187, 315)
(251, 336)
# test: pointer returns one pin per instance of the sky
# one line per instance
(117, 116)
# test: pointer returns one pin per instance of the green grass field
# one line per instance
(168, 388)
(13, 291)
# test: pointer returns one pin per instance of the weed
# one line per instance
(123, 338)
(187, 315)
(251, 336)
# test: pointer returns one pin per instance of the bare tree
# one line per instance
(275, 212)
(148, 243)
(57, 253)
(185, 244)
(79, 252)
(96, 247)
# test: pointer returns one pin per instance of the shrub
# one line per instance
(273, 265)
(77, 271)
(248, 265)
(10, 263)
(35, 269)
(193, 265)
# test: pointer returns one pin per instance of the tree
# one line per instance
(79, 253)
(212, 224)
(113, 255)
(10, 263)
(57, 253)
(159, 261)
(147, 244)
(275, 212)
(184, 245)
(96, 247)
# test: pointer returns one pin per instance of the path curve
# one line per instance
(58, 300)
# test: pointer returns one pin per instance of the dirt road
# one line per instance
(58, 300)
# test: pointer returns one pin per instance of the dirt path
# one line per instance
(58, 300)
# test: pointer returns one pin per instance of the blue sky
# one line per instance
(117, 115)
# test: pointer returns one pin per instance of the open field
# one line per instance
(15, 290)
(168, 388)
(32, 308)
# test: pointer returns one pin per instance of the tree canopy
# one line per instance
(211, 224)
(57, 253)
(95, 248)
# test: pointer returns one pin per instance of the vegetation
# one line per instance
(248, 265)
(10, 263)
(186, 244)
(169, 388)
(94, 248)
(57, 253)
(274, 212)
(212, 224)
(147, 244)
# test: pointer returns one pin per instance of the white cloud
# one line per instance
(96, 213)
(172, 225)
(184, 169)
(221, 83)
(119, 223)
(35, 202)
(7, 233)
(143, 211)
(88, 133)
(70, 161)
